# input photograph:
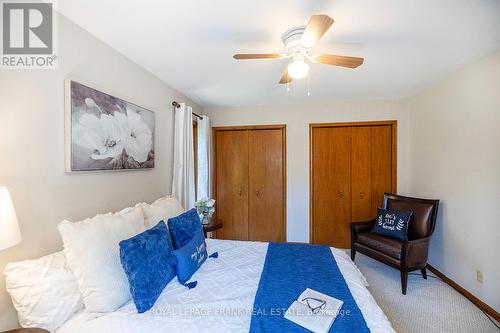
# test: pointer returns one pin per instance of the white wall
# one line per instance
(297, 118)
(455, 156)
(32, 145)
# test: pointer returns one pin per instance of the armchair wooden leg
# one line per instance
(424, 273)
(404, 280)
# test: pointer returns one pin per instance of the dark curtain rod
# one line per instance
(177, 105)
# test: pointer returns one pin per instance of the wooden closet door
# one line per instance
(266, 171)
(382, 164)
(232, 184)
(361, 187)
(331, 173)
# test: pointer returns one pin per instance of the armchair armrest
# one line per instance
(356, 228)
(415, 252)
(359, 227)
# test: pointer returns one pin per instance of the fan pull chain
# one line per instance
(288, 87)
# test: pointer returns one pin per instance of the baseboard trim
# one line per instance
(480, 304)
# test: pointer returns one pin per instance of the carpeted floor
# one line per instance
(428, 306)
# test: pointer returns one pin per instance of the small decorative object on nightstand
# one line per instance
(27, 330)
(211, 226)
(205, 207)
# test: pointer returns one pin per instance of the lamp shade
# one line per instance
(9, 228)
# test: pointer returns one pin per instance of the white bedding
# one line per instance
(222, 300)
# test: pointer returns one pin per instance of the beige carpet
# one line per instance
(428, 306)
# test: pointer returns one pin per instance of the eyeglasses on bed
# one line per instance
(315, 304)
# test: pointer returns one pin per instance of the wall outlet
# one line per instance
(479, 276)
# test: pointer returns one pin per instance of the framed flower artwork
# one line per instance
(104, 132)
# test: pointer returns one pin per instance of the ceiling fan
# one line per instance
(299, 42)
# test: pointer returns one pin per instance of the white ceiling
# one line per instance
(189, 44)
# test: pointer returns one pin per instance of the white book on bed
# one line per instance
(300, 313)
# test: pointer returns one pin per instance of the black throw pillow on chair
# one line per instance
(392, 223)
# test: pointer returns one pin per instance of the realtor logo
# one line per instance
(28, 34)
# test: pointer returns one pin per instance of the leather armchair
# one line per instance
(408, 255)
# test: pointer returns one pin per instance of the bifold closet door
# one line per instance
(265, 174)
(331, 185)
(232, 184)
(352, 166)
(361, 168)
(381, 165)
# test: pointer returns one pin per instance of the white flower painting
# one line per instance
(107, 133)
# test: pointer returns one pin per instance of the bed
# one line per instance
(223, 299)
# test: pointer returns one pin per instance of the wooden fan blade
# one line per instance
(336, 60)
(286, 78)
(317, 26)
(257, 56)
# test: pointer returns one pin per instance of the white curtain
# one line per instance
(183, 175)
(204, 146)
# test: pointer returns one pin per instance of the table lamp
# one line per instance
(9, 228)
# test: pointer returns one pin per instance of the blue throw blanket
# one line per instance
(288, 270)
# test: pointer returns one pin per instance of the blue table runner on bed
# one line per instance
(288, 270)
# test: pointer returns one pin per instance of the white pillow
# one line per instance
(162, 209)
(93, 254)
(44, 291)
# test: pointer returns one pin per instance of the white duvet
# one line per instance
(222, 300)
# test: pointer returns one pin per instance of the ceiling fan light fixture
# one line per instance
(298, 69)
(299, 42)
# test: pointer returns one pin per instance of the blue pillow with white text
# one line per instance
(392, 223)
(149, 263)
(183, 227)
(190, 257)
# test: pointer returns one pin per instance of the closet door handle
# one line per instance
(361, 195)
(240, 192)
(257, 192)
(341, 193)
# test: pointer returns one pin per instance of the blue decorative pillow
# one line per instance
(392, 223)
(190, 257)
(183, 227)
(149, 263)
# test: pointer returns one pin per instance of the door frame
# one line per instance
(394, 169)
(281, 127)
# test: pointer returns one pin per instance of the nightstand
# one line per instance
(212, 225)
